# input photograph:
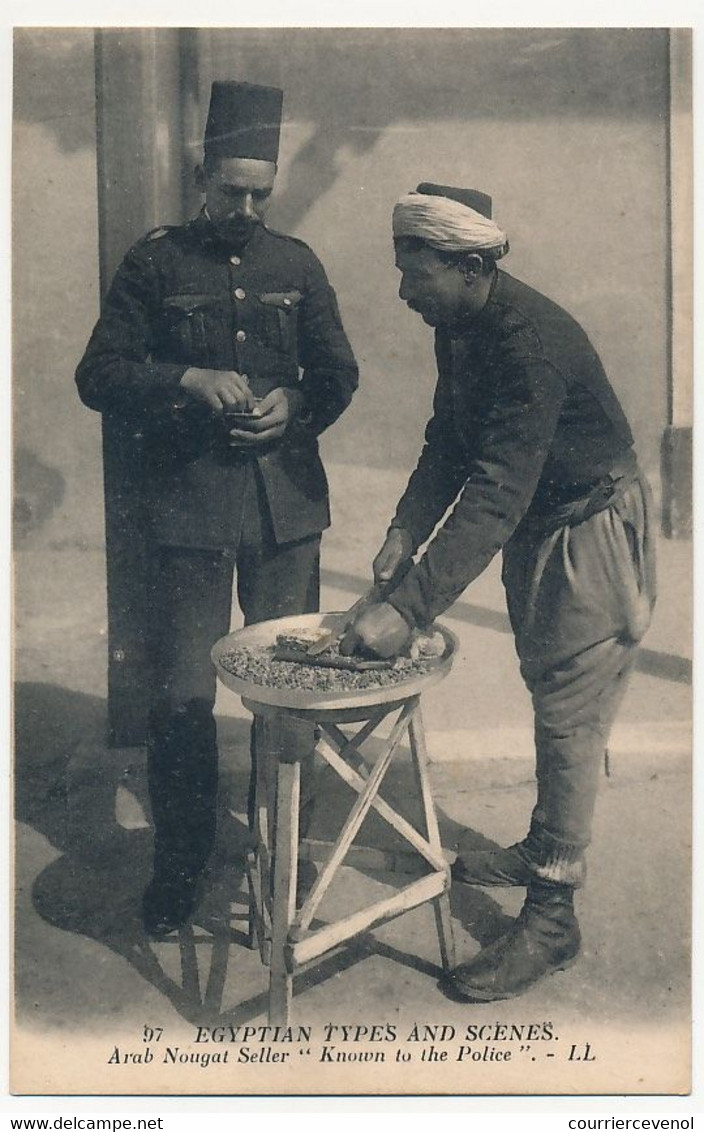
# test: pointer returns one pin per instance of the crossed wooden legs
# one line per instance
(284, 935)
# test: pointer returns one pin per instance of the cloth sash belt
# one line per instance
(556, 511)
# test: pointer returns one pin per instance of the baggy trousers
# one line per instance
(190, 603)
(580, 598)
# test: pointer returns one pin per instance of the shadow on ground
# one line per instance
(66, 787)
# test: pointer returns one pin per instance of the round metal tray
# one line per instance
(264, 634)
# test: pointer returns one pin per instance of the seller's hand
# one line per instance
(397, 549)
(221, 390)
(380, 629)
(270, 419)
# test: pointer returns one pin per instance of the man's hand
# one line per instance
(270, 419)
(380, 629)
(221, 390)
(397, 549)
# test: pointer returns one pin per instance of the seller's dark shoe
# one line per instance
(168, 904)
(545, 938)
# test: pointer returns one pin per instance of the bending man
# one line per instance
(528, 441)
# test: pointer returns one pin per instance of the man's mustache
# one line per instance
(238, 231)
(238, 223)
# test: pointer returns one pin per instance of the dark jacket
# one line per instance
(524, 420)
(180, 299)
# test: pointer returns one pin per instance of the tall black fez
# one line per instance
(244, 120)
(472, 198)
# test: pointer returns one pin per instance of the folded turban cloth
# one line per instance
(447, 225)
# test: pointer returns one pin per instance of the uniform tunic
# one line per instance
(181, 298)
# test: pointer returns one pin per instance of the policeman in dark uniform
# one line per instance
(221, 341)
(529, 447)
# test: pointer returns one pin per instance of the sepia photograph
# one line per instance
(352, 561)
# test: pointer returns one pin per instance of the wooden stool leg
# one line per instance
(441, 904)
(284, 902)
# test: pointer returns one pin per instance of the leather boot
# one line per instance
(516, 865)
(182, 771)
(168, 901)
(545, 938)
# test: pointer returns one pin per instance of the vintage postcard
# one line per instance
(249, 266)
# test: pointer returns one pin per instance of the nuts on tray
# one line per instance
(258, 666)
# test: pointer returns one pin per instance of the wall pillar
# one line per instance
(677, 438)
(142, 178)
(139, 136)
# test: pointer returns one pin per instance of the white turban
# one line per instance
(447, 225)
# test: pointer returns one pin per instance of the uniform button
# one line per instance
(240, 336)
(287, 302)
(236, 260)
(240, 293)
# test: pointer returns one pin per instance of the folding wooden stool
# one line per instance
(284, 934)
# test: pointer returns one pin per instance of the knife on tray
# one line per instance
(376, 593)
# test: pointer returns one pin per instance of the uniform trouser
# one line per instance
(580, 599)
(191, 600)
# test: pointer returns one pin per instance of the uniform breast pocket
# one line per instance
(191, 327)
(279, 320)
